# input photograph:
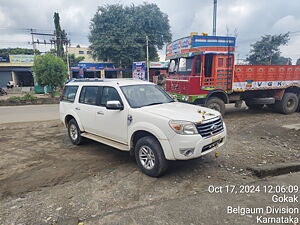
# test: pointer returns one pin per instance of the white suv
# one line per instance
(139, 117)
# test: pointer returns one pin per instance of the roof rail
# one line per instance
(87, 80)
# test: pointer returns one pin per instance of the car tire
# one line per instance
(216, 104)
(288, 104)
(150, 157)
(74, 132)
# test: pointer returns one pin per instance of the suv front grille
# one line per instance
(208, 129)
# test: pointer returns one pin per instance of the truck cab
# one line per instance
(199, 67)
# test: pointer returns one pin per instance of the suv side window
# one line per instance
(109, 94)
(69, 93)
(88, 95)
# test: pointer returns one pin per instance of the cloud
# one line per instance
(286, 24)
(251, 19)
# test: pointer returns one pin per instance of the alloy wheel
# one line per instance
(146, 157)
(73, 132)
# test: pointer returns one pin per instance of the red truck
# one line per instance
(202, 71)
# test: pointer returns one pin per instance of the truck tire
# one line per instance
(216, 104)
(74, 132)
(150, 157)
(250, 105)
(288, 104)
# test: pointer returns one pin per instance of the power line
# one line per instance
(23, 29)
(6, 41)
(43, 34)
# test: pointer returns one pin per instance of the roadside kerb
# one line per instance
(275, 169)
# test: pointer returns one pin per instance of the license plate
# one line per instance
(216, 138)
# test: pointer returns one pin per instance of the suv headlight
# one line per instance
(183, 127)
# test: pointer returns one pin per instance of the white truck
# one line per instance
(139, 117)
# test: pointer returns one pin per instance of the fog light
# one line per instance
(187, 151)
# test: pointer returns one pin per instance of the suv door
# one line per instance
(111, 124)
(87, 106)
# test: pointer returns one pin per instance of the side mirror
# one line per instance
(114, 105)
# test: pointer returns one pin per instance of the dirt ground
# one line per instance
(44, 179)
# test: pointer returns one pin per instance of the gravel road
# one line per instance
(44, 179)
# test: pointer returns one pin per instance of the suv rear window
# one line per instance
(69, 93)
(88, 95)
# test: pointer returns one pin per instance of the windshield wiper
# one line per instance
(154, 103)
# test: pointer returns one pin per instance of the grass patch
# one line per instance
(26, 97)
(57, 93)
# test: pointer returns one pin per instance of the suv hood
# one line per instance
(182, 111)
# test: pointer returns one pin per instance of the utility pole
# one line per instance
(38, 42)
(147, 52)
(33, 43)
(215, 18)
(68, 63)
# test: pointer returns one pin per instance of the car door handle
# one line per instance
(100, 113)
(77, 108)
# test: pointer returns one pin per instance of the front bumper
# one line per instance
(199, 145)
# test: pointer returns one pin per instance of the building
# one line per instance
(82, 51)
(18, 69)
(139, 70)
(90, 68)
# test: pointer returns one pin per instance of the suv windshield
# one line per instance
(145, 95)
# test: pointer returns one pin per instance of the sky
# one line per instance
(246, 19)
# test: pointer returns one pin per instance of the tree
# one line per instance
(50, 70)
(283, 61)
(73, 61)
(18, 51)
(61, 36)
(266, 51)
(118, 33)
(298, 62)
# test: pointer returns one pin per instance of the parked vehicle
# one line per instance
(139, 117)
(2, 92)
(202, 72)
(10, 85)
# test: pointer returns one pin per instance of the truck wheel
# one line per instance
(150, 157)
(74, 132)
(216, 104)
(254, 106)
(288, 104)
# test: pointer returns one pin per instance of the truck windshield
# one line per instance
(181, 66)
(173, 66)
(145, 95)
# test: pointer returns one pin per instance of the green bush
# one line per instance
(50, 70)
(26, 97)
